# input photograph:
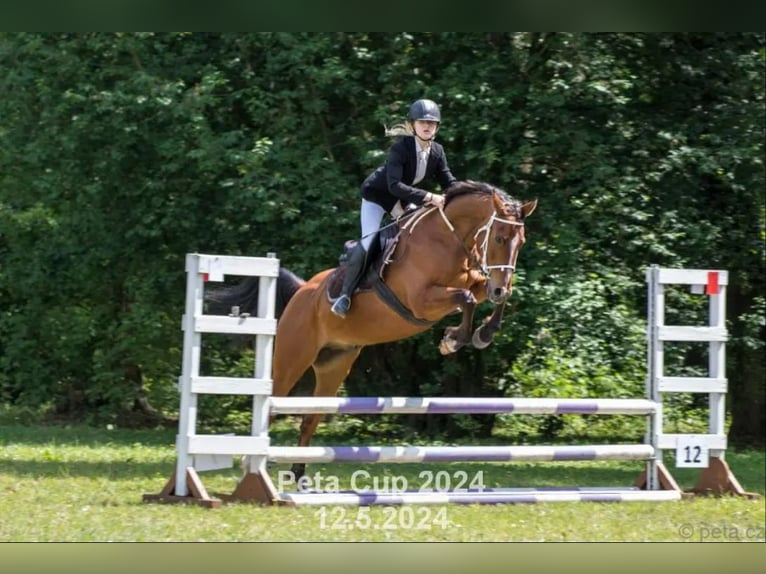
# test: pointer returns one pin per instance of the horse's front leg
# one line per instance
(456, 337)
(482, 337)
(440, 300)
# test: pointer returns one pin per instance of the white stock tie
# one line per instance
(420, 172)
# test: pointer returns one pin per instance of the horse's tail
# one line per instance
(245, 295)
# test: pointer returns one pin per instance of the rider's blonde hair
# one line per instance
(400, 130)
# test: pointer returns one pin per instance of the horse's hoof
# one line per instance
(447, 346)
(477, 341)
(298, 470)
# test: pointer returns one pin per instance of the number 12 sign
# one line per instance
(691, 451)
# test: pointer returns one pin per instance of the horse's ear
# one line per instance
(528, 208)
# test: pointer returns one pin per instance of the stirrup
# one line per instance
(341, 306)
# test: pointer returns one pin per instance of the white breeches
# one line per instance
(371, 216)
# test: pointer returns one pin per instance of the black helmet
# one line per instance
(425, 110)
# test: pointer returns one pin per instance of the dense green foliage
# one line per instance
(119, 153)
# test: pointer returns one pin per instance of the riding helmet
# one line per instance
(425, 110)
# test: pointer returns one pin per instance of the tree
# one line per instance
(121, 152)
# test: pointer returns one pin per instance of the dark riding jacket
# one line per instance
(392, 181)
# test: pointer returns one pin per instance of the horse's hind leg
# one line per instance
(295, 350)
(330, 369)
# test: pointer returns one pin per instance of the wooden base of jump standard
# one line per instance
(716, 480)
(666, 480)
(252, 487)
(259, 488)
(197, 492)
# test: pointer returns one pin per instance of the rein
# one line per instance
(482, 265)
(409, 220)
(412, 223)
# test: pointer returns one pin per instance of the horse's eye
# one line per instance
(499, 239)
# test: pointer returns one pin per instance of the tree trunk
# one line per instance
(747, 376)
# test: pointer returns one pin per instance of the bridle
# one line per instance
(484, 268)
(480, 264)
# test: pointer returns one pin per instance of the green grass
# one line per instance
(86, 484)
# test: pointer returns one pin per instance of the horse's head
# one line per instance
(503, 240)
(499, 238)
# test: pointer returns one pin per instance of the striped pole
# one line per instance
(490, 496)
(459, 405)
(406, 454)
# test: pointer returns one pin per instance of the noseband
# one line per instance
(486, 228)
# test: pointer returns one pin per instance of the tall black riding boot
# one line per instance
(355, 266)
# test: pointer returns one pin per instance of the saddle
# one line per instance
(378, 257)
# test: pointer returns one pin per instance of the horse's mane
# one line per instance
(470, 187)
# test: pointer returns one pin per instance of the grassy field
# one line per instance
(86, 484)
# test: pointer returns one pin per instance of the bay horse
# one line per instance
(444, 260)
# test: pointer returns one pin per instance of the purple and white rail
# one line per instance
(457, 405)
(407, 454)
(485, 496)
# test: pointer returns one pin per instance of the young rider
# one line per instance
(412, 159)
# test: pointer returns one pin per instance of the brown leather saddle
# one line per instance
(379, 256)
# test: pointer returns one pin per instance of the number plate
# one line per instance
(691, 451)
